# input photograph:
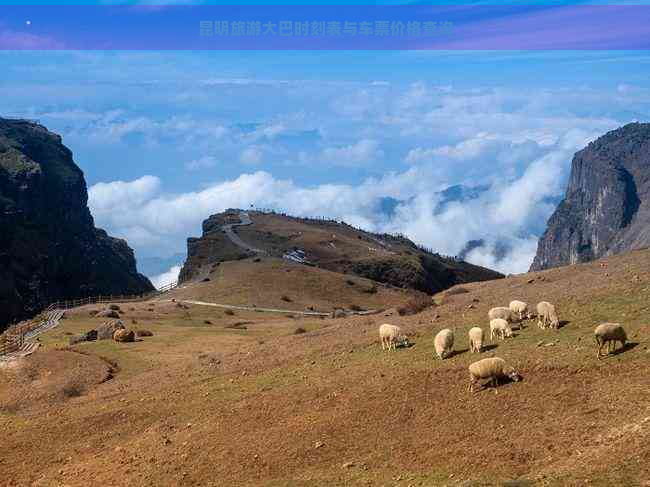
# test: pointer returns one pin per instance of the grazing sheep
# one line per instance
(608, 334)
(520, 308)
(493, 368)
(475, 339)
(503, 313)
(444, 343)
(546, 315)
(390, 335)
(500, 328)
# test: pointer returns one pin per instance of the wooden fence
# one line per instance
(13, 338)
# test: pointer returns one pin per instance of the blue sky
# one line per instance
(166, 138)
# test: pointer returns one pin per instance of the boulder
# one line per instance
(124, 336)
(108, 313)
(89, 336)
(107, 330)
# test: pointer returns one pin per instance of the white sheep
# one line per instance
(547, 316)
(520, 308)
(444, 343)
(390, 336)
(503, 313)
(608, 334)
(475, 339)
(493, 368)
(500, 328)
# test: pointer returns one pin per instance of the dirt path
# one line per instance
(245, 219)
(251, 308)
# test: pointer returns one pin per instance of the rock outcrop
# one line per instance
(49, 247)
(606, 209)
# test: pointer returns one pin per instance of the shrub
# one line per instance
(206, 279)
(229, 312)
(285, 298)
(207, 322)
(356, 307)
(299, 330)
(415, 305)
(349, 282)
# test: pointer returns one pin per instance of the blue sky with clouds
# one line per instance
(167, 138)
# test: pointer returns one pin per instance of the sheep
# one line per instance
(390, 335)
(444, 343)
(493, 368)
(501, 312)
(546, 315)
(475, 339)
(520, 308)
(500, 328)
(608, 334)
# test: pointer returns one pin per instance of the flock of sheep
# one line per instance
(493, 369)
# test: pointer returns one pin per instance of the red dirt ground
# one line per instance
(329, 407)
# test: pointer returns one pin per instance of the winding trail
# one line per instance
(244, 219)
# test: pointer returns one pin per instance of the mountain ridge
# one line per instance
(331, 245)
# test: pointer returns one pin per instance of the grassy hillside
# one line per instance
(278, 283)
(334, 246)
(244, 400)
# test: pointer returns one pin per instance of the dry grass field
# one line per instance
(214, 399)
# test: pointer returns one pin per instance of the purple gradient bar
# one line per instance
(350, 27)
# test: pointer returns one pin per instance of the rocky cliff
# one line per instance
(49, 246)
(606, 209)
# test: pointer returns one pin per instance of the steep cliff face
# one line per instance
(606, 209)
(49, 246)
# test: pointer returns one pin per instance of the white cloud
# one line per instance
(166, 277)
(251, 155)
(205, 162)
(361, 153)
(106, 196)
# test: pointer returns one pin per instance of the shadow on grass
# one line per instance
(487, 348)
(457, 352)
(628, 346)
(562, 324)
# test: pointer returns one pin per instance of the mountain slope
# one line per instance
(606, 209)
(49, 246)
(330, 245)
(244, 399)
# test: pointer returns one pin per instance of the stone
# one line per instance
(107, 330)
(124, 336)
